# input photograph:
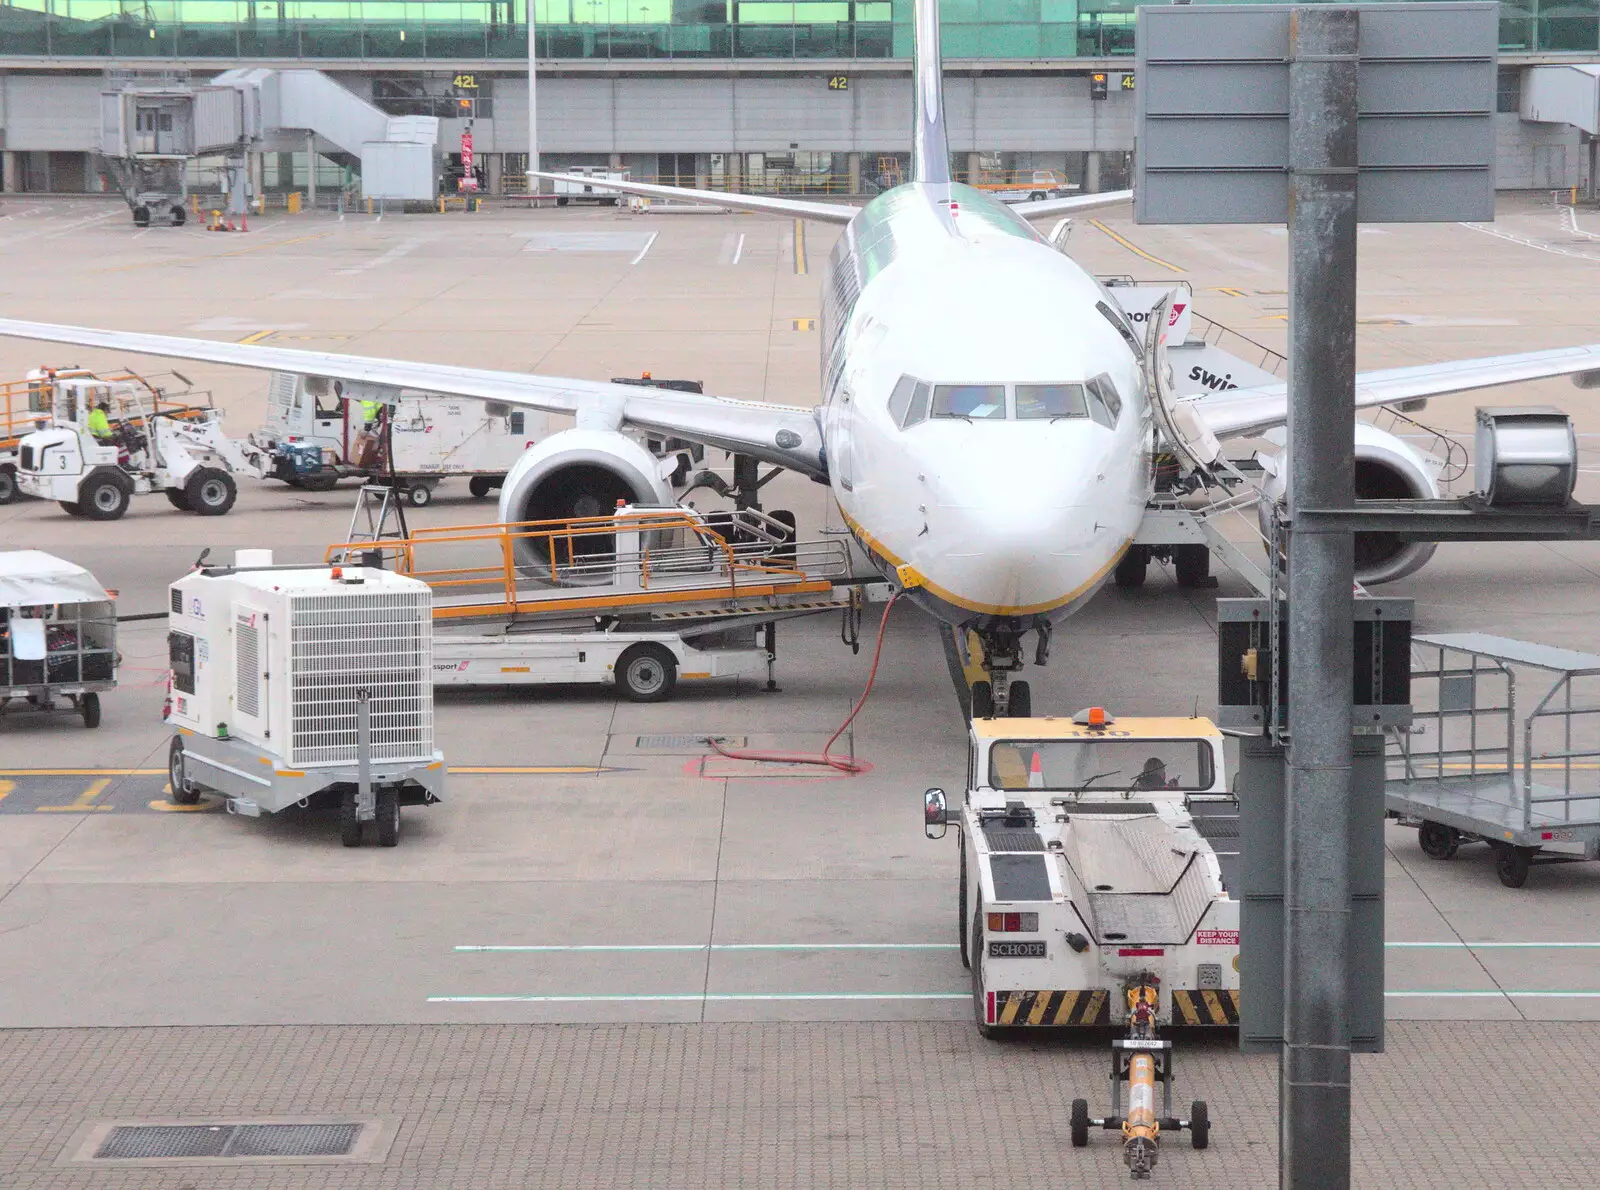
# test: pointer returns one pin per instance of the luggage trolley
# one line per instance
(58, 635)
(1472, 769)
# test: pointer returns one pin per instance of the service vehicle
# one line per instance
(1036, 186)
(591, 188)
(58, 635)
(149, 441)
(1096, 855)
(303, 687)
(315, 436)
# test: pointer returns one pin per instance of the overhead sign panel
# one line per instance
(1213, 111)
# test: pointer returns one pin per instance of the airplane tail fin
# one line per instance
(930, 148)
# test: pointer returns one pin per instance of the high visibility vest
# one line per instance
(99, 424)
(370, 410)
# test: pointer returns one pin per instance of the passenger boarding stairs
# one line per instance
(672, 568)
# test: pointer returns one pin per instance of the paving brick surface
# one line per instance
(1451, 1105)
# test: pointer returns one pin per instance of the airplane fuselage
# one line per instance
(985, 422)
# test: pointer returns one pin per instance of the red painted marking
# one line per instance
(1141, 952)
(989, 1010)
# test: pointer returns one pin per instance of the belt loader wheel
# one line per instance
(182, 791)
(1080, 1124)
(1199, 1124)
(349, 824)
(1438, 841)
(1131, 568)
(389, 817)
(8, 483)
(177, 499)
(647, 673)
(210, 492)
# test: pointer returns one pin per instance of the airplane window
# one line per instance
(1113, 398)
(900, 399)
(1098, 408)
(919, 406)
(970, 400)
(1050, 400)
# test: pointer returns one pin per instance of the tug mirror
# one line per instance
(933, 814)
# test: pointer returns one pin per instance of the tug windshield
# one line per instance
(1102, 763)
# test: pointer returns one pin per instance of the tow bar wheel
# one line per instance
(1080, 1124)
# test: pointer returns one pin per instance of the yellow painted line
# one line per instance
(258, 336)
(1229, 290)
(803, 324)
(5, 788)
(150, 264)
(83, 803)
(799, 248)
(1135, 249)
(83, 772)
(206, 804)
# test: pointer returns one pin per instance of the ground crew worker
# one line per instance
(99, 423)
(370, 411)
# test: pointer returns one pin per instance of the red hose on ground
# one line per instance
(836, 762)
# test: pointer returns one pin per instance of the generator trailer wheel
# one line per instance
(181, 790)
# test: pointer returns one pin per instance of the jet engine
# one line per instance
(581, 473)
(1387, 468)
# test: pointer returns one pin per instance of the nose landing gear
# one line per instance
(983, 664)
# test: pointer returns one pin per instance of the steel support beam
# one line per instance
(1314, 1064)
(1467, 519)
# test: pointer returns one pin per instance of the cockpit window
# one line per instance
(1104, 403)
(1050, 400)
(975, 401)
(900, 399)
(918, 409)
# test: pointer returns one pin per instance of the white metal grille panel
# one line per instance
(347, 641)
(247, 668)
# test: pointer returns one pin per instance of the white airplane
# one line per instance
(989, 417)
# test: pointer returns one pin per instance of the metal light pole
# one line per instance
(1314, 1064)
(533, 102)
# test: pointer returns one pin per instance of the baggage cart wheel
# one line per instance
(349, 824)
(89, 708)
(1199, 1124)
(1080, 1124)
(1020, 704)
(8, 484)
(961, 906)
(210, 492)
(178, 216)
(104, 496)
(1438, 841)
(141, 216)
(70, 507)
(183, 792)
(647, 673)
(418, 497)
(388, 817)
(1193, 565)
(1131, 569)
(1512, 864)
(317, 482)
(481, 486)
(982, 700)
(177, 499)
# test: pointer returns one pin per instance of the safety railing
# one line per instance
(639, 555)
(1231, 341)
(1452, 455)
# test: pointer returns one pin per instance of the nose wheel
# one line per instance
(982, 665)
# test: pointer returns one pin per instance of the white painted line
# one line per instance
(699, 997)
(646, 248)
(738, 249)
(700, 946)
(1494, 945)
(1510, 995)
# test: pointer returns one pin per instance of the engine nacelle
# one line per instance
(581, 473)
(1387, 468)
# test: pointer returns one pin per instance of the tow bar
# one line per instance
(1141, 1060)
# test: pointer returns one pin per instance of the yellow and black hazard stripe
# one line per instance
(1207, 1006)
(1052, 1008)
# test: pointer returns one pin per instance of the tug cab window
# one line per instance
(1036, 401)
(972, 401)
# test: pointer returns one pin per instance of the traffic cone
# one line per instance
(1035, 772)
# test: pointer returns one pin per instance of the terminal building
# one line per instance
(799, 96)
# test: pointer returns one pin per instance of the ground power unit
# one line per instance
(304, 687)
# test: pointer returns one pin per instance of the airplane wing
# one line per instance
(1244, 412)
(821, 212)
(785, 435)
(1073, 202)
